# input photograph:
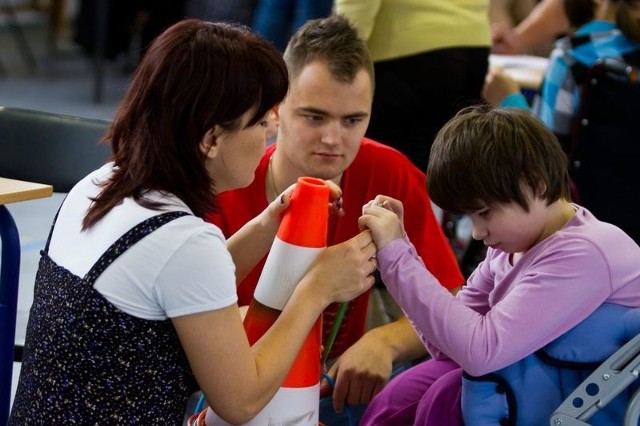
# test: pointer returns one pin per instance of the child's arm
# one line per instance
(501, 90)
(482, 341)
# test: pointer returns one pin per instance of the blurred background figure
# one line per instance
(505, 15)
(604, 29)
(430, 60)
(510, 12)
(240, 11)
(130, 26)
(277, 20)
(535, 34)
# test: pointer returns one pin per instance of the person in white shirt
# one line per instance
(135, 300)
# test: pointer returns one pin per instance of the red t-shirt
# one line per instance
(377, 169)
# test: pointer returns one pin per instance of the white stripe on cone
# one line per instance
(276, 284)
(290, 407)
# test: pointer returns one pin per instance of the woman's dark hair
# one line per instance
(194, 76)
(485, 156)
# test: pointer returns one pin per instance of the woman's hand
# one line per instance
(383, 217)
(504, 39)
(272, 215)
(335, 199)
(343, 271)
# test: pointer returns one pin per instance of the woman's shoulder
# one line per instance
(195, 229)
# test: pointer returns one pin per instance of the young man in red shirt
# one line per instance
(322, 122)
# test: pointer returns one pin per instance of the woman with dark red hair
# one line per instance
(135, 299)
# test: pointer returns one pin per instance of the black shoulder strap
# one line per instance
(131, 237)
(53, 224)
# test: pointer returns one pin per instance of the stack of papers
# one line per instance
(527, 70)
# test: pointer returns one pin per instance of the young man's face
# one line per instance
(323, 121)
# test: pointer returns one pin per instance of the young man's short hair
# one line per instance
(333, 40)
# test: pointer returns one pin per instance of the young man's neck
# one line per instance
(281, 175)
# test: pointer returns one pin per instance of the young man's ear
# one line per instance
(209, 145)
(273, 119)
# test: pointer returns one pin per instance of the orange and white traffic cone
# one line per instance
(302, 235)
(197, 419)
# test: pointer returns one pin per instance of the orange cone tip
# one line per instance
(305, 222)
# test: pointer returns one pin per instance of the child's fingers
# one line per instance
(363, 239)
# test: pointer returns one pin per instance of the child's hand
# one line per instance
(383, 216)
(497, 86)
(388, 203)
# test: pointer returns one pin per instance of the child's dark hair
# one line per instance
(485, 156)
(579, 12)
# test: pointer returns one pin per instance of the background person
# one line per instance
(536, 33)
(430, 60)
(605, 29)
(278, 20)
(505, 15)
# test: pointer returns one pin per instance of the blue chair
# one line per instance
(43, 147)
(613, 377)
(529, 392)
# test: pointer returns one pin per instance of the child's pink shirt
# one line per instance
(506, 312)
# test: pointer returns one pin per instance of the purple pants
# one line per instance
(427, 394)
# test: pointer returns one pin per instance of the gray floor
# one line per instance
(63, 82)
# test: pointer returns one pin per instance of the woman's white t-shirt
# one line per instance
(181, 268)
